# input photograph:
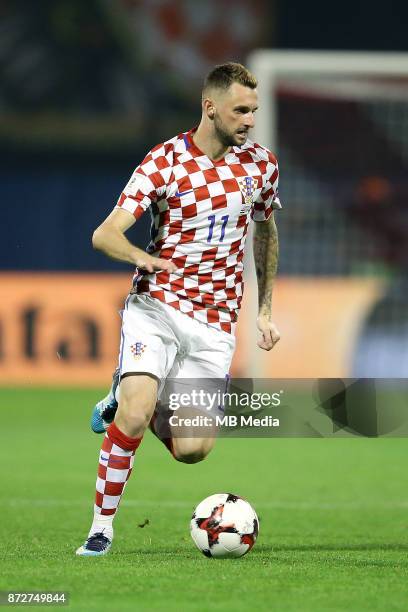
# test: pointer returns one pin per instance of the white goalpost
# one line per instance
(362, 98)
(269, 66)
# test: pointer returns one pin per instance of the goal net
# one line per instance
(338, 123)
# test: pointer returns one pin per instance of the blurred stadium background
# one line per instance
(86, 88)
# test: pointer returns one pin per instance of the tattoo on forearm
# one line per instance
(266, 252)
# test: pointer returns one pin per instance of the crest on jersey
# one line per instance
(137, 349)
(247, 185)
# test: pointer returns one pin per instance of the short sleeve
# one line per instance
(268, 199)
(147, 183)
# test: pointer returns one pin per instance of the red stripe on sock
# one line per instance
(108, 511)
(114, 488)
(102, 471)
(99, 499)
(121, 439)
(119, 463)
(107, 444)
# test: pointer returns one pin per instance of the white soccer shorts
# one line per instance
(160, 340)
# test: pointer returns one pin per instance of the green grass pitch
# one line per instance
(333, 531)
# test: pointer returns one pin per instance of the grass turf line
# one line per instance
(333, 513)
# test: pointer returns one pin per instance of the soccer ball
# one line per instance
(224, 525)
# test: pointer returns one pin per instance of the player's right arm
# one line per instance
(110, 238)
(146, 185)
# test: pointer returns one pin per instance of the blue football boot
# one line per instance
(105, 410)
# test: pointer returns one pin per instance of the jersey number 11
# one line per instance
(211, 219)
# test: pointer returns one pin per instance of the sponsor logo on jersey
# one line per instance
(247, 185)
(137, 349)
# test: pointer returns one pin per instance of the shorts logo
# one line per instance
(137, 349)
(247, 185)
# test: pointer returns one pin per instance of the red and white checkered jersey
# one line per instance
(200, 212)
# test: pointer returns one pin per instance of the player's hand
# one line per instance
(144, 261)
(270, 335)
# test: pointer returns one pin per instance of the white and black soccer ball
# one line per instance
(224, 525)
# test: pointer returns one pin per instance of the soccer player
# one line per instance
(202, 188)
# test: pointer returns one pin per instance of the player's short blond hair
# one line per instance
(224, 75)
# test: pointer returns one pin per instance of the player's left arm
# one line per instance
(266, 252)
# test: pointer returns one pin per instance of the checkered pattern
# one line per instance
(115, 467)
(200, 213)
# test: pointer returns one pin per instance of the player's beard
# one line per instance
(226, 138)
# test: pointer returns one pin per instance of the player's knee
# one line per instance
(192, 457)
(187, 451)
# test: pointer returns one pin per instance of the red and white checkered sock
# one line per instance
(115, 466)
